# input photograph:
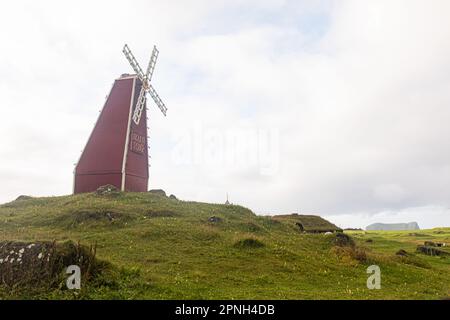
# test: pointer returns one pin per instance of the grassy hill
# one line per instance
(161, 248)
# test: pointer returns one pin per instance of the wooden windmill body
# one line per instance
(116, 152)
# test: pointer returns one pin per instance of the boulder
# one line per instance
(173, 197)
(107, 190)
(343, 240)
(402, 253)
(42, 263)
(432, 251)
(159, 192)
(214, 219)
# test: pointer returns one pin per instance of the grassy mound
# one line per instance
(96, 217)
(309, 223)
(158, 247)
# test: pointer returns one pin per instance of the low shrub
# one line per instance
(248, 243)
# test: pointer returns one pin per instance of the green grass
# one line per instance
(167, 249)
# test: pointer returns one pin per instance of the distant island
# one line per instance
(393, 226)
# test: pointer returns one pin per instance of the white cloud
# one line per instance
(389, 193)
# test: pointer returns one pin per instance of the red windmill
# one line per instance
(117, 151)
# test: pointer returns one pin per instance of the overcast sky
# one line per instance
(339, 108)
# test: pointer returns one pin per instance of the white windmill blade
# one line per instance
(151, 64)
(139, 106)
(134, 64)
(157, 99)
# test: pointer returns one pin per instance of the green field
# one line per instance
(161, 248)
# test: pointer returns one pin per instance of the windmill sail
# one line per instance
(146, 86)
(139, 106)
(133, 62)
(157, 100)
(152, 63)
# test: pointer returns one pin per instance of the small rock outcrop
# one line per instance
(35, 264)
(343, 240)
(431, 251)
(107, 190)
(159, 192)
(214, 219)
(172, 196)
(434, 244)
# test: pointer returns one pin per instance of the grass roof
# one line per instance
(310, 223)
